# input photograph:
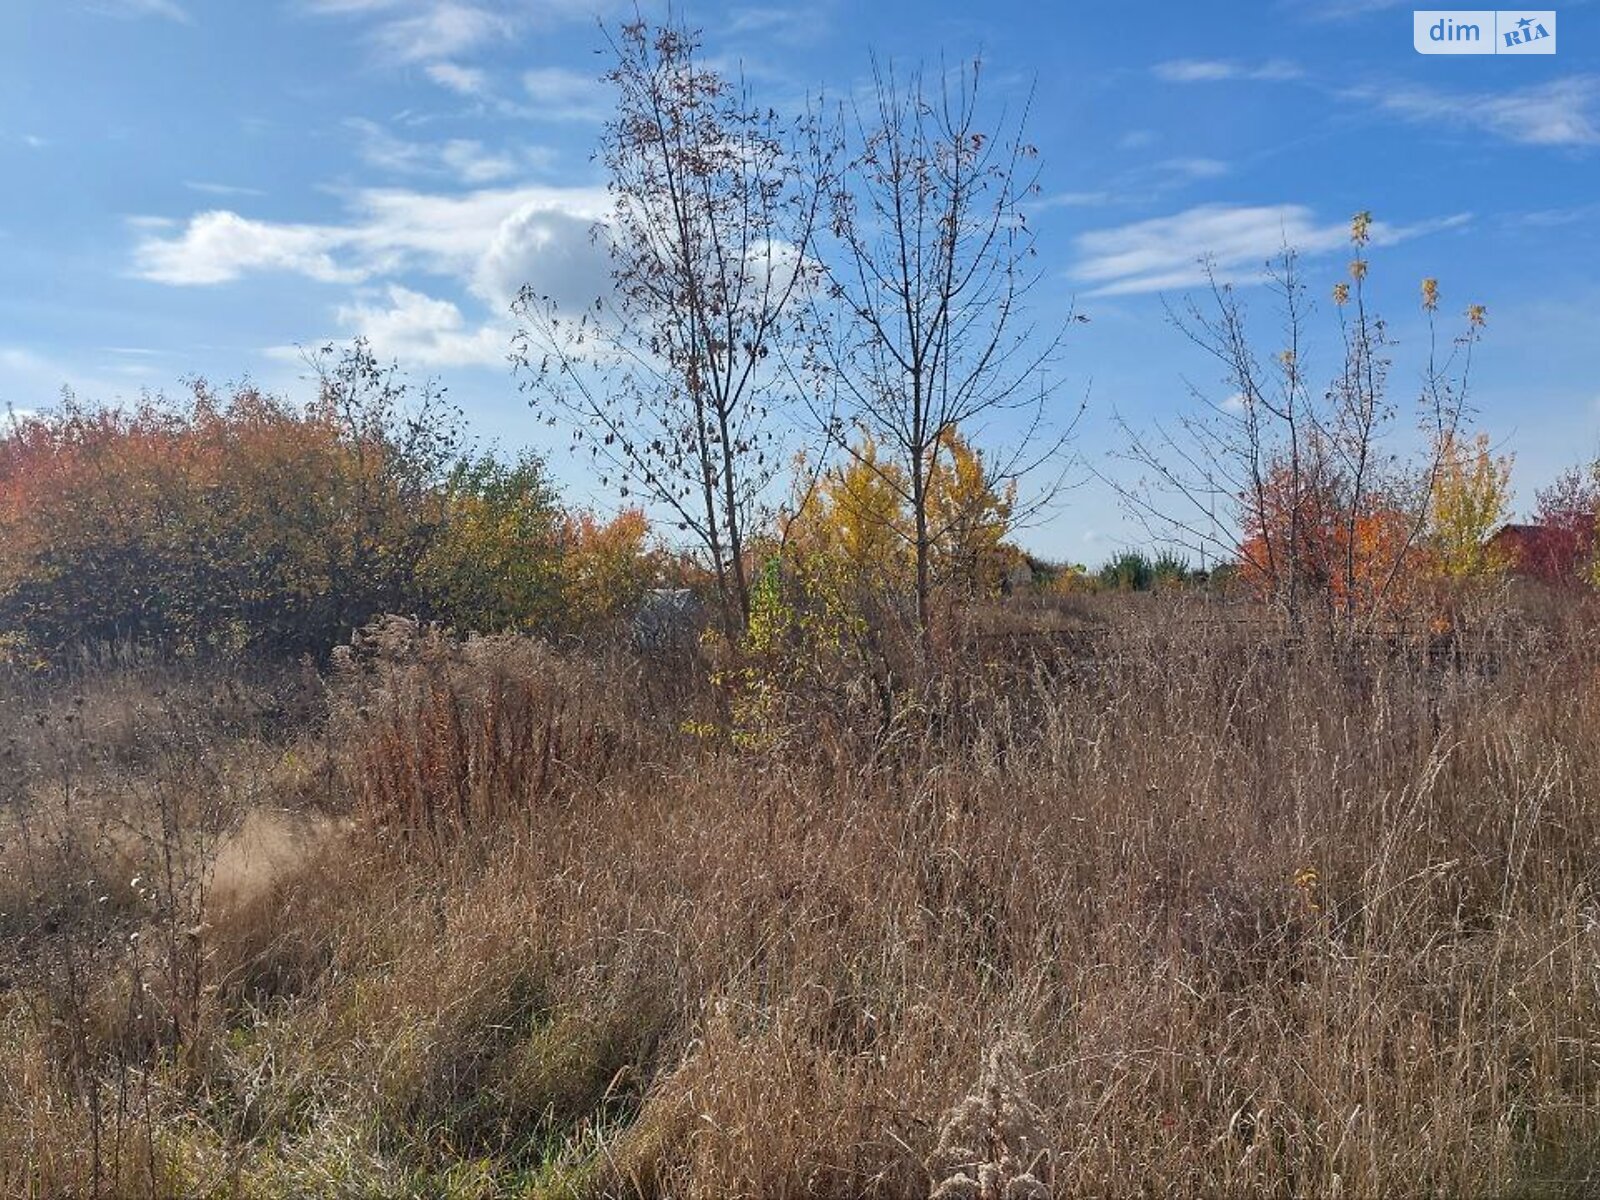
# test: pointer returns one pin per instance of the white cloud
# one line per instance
(17, 359)
(169, 10)
(560, 94)
(461, 159)
(218, 246)
(389, 230)
(1216, 70)
(451, 235)
(1563, 112)
(799, 25)
(421, 31)
(1072, 200)
(221, 189)
(549, 247)
(422, 330)
(439, 31)
(1185, 169)
(465, 81)
(1167, 252)
(1140, 183)
(469, 162)
(486, 243)
(1344, 9)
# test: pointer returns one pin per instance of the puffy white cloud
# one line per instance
(1169, 252)
(215, 247)
(486, 243)
(390, 231)
(549, 248)
(419, 329)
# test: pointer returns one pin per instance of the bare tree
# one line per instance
(928, 279)
(1307, 489)
(672, 381)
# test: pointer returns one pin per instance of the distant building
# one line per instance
(1555, 553)
(1519, 545)
(668, 619)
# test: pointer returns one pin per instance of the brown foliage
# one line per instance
(1251, 920)
(446, 738)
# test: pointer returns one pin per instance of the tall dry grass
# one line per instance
(1239, 918)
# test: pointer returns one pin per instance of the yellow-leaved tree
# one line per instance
(862, 515)
(970, 520)
(857, 515)
(1470, 499)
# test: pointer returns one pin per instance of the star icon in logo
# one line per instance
(1525, 22)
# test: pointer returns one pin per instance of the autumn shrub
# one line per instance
(1561, 549)
(447, 737)
(223, 522)
(239, 522)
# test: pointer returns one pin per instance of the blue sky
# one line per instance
(198, 186)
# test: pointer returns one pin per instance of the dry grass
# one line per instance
(1248, 921)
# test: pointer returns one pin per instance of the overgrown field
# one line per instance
(1186, 910)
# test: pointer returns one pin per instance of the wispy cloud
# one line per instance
(443, 31)
(1555, 218)
(31, 382)
(560, 94)
(463, 159)
(1192, 168)
(464, 81)
(1169, 252)
(1563, 112)
(415, 31)
(1216, 70)
(1339, 10)
(168, 10)
(1073, 200)
(793, 25)
(207, 188)
(1139, 184)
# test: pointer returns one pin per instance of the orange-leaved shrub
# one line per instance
(239, 521)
